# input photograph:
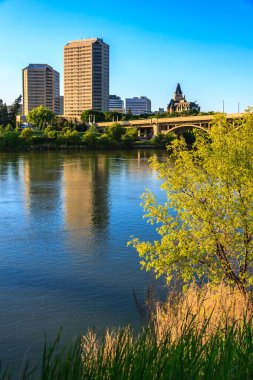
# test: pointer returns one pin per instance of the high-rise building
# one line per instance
(116, 104)
(180, 104)
(86, 76)
(138, 106)
(41, 87)
(61, 105)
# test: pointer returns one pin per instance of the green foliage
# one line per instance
(158, 139)
(50, 132)
(27, 134)
(68, 136)
(4, 116)
(72, 137)
(41, 117)
(115, 131)
(169, 137)
(210, 188)
(105, 141)
(9, 139)
(90, 137)
(99, 116)
(189, 137)
(112, 116)
(132, 133)
(14, 110)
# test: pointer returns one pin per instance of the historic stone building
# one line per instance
(180, 104)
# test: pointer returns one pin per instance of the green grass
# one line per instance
(226, 354)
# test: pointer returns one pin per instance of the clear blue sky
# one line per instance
(206, 46)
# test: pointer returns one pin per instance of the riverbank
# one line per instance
(116, 137)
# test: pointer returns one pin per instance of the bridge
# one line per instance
(148, 128)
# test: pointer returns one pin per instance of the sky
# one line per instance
(205, 46)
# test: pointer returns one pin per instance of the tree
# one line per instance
(27, 134)
(4, 116)
(90, 136)
(209, 235)
(14, 110)
(99, 116)
(41, 117)
(130, 135)
(115, 131)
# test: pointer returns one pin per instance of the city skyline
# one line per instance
(207, 48)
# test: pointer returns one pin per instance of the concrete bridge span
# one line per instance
(154, 126)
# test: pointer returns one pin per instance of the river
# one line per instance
(66, 219)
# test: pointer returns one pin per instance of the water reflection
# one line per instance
(66, 219)
(86, 199)
(42, 182)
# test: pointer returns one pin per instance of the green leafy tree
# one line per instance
(112, 116)
(209, 235)
(90, 137)
(41, 117)
(189, 137)
(9, 138)
(115, 131)
(99, 116)
(14, 110)
(130, 135)
(50, 132)
(27, 134)
(4, 116)
(72, 137)
(169, 137)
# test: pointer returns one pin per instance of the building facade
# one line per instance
(41, 87)
(61, 105)
(116, 104)
(138, 106)
(180, 104)
(86, 77)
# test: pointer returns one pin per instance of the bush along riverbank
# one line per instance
(204, 333)
(51, 139)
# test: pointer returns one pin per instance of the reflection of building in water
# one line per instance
(41, 182)
(86, 194)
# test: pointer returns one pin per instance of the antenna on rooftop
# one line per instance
(102, 35)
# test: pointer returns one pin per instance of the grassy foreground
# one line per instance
(189, 339)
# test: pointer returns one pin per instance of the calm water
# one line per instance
(65, 222)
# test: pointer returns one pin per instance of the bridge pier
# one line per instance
(156, 129)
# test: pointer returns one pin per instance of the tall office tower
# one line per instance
(138, 106)
(116, 104)
(41, 87)
(86, 76)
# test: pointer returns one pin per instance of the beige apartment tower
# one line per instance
(86, 77)
(41, 87)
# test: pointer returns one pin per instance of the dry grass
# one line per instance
(208, 307)
(205, 310)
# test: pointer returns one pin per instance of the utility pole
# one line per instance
(223, 106)
(239, 107)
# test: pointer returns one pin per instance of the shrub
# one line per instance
(115, 131)
(74, 137)
(158, 139)
(26, 134)
(105, 141)
(10, 139)
(90, 137)
(50, 132)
